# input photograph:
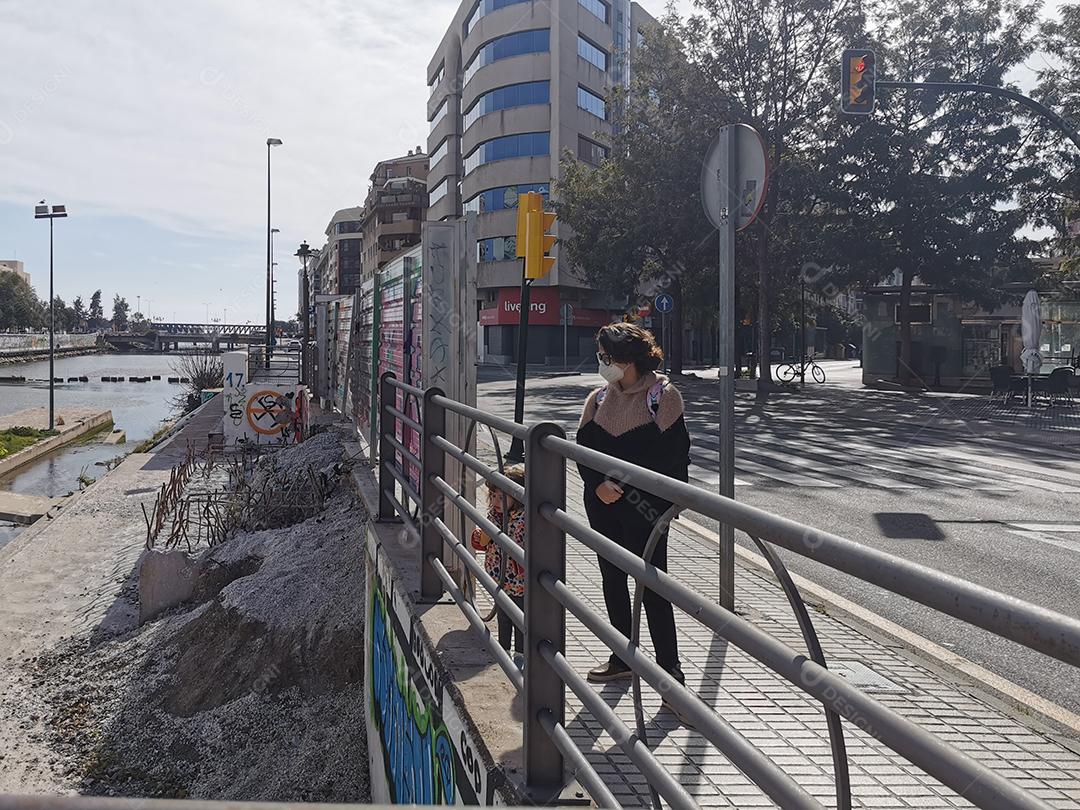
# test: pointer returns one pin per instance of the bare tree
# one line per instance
(199, 371)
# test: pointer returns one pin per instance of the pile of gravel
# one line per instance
(252, 692)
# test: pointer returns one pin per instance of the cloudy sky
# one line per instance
(149, 121)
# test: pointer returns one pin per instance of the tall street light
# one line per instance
(304, 253)
(43, 211)
(270, 143)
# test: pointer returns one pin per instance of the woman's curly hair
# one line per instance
(629, 343)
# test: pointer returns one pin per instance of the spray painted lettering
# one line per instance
(417, 750)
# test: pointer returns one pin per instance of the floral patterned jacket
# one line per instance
(514, 581)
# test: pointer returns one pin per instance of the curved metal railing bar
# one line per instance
(841, 773)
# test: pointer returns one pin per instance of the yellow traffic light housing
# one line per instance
(858, 79)
(534, 241)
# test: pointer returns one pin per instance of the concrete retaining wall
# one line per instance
(24, 344)
(443, 722)
(68, 434)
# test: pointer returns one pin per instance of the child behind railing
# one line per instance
(514, 578)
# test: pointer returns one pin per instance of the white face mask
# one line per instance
(612, 373)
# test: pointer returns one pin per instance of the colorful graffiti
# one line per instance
(418, 753)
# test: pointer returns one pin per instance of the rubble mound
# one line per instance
(254, 691)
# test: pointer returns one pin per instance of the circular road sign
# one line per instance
(664, 303)
(751, 177)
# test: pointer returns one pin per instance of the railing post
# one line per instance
(386, 451)
(434, 464)
(545, 618)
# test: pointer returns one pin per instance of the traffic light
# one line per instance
(858, 80)
(534, 241)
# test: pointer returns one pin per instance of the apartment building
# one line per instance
(337, 269)
(394, 210)
(515, 84)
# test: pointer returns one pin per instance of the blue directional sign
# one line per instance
(664, 303)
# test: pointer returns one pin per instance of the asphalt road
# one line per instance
(988, 494)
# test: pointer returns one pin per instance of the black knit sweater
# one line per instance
(623, 426)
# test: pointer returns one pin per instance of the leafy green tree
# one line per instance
(63, 315)
(928, 184)
(121, 308)
(96, 313)
(20, 308)
(79, 310)
(637, 221)
(775, 61)
(1055, 202)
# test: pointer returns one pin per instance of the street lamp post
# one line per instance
(304, 253)
(270, 143)
(43, 211)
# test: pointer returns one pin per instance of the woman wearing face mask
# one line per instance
(638, 417)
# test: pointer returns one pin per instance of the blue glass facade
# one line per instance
(522, 42)
(591, 53)
(504, 98)
(497, 249)
(590, 102)
(597, 8)
(485, 7)
(503, 197)
(527, 144)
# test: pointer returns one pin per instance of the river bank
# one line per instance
(250, 691)
(30, 357)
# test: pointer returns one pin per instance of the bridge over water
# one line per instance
(166, 337)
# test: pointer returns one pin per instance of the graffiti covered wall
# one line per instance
(419, 749)
(263, 413)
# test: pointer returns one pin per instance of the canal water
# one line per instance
(137, 408)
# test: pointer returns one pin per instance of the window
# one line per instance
(503, 197)
(440, 114)
(590, 151)
(440, 152)
(515, 95)
(536, 41)
(439, 191)
(527, 144)
(597, 8)
(436, 80)
(498, 249)
(591, 53)
(485, 7)
(590, 102)
(350, 226)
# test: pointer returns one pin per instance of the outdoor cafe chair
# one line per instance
(1005, 387)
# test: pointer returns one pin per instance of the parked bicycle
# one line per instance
(793, 370)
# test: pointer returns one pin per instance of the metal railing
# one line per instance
(548, 599)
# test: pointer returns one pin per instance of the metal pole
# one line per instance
(387, 399)
(802, 332)
(516, 453)
(269, 258)
(307, 327)
(565, 328)
(663, 338)
(545, 617)
(433, 461)
(726, 377)
(52, 335)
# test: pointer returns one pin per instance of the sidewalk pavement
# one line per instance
(785, 723)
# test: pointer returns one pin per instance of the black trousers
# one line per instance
(629, 529)
(507, 628)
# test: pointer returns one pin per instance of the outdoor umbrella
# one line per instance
(1031, 325)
